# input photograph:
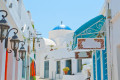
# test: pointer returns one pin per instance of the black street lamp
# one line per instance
(3, 26)
(15, 44)
(38, 40)
(4, 33)
(22, 51)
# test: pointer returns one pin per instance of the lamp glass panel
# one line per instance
(0, 31)
(38, 40)
(12, 44)
(39, 45)
(4, 33)
(21, 55)
(24, 53)
(16, 44)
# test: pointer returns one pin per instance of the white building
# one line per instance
(111, 10)
(56, 53)
(18, 18)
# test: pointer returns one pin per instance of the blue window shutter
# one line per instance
(94, 67)
(98, 65)
(23, 68)
(104, 57)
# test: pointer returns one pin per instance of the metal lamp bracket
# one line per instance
(3, 16)
(6, 38)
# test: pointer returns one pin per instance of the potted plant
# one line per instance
(66, 69)
(51, 47)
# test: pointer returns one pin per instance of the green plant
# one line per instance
(55, 48)
(82, 66)
(33, 26)
(24, 37)
(51, 46)
(67, 45)
(70, 42)
(66, 69)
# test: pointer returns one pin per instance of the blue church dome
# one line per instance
(60, 27)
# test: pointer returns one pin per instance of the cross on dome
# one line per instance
(62, 27)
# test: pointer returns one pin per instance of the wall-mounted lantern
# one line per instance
(4, 33)
(38, 40)
(3, 26)
(15, 44)
(22, 51)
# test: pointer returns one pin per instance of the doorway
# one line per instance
(68, 64)
(46, 69)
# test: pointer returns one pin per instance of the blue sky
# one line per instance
(48, 14)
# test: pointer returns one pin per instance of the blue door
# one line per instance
(68, 64)
(46, 69)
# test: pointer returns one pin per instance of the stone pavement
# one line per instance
(38, 78)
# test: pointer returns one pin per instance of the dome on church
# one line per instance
(62, 27)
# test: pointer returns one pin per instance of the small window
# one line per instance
(58, 67)
(79, 65)
(34, 56)
(39, 45)
(23, 69)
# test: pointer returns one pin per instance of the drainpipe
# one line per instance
(109, 51)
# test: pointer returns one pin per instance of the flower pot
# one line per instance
(51, 50)
(66, 72)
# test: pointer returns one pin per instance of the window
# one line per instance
(34, 56)
(24, 63)
(79, 65)
(58, 67)
(46, 69)
(23, 69)
(39, 45)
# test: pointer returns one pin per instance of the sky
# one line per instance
(48, 14)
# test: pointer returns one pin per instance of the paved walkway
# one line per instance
(38, 78)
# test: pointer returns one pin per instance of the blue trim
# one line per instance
(58, 67)
(104, 64)
(104, 60)
(46, 69)
(98, 65)
(69, 64)
(23, 68)
(79, 65)
(89, 23)
(95, 26)
(104, 56)
(94, 67)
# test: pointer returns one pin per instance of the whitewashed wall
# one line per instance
(113, 41)
(54, 56)
(17, 17)
(61, 37)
